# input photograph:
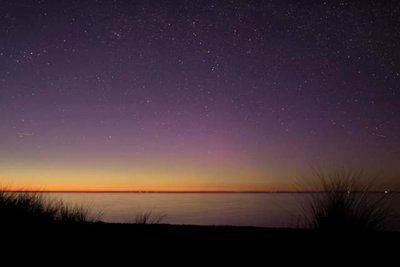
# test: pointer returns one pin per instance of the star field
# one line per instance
(207, 95)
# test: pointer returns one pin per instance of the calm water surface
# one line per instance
(241, 209)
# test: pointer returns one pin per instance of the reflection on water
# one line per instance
(245, 209)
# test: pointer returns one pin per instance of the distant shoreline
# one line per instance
(186, 192)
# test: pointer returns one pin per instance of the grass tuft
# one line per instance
(37, 208)
(345, 203)
(148, 218)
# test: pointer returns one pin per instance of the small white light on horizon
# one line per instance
(386, 191)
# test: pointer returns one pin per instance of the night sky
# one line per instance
(196, 95)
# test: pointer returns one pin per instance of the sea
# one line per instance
(236, 209)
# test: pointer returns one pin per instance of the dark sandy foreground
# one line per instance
(98, 240)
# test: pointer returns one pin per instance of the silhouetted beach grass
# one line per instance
(148, 217)
(37, 208)
(345, 203)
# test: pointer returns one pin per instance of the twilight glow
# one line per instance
(196, 95)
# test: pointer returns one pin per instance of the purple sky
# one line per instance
(185, 95)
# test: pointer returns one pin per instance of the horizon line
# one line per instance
(186, 191)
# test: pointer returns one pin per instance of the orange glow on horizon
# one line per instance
(155, 188)
(36, 177)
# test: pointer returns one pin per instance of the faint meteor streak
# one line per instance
(21, 135)
(379, 135)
